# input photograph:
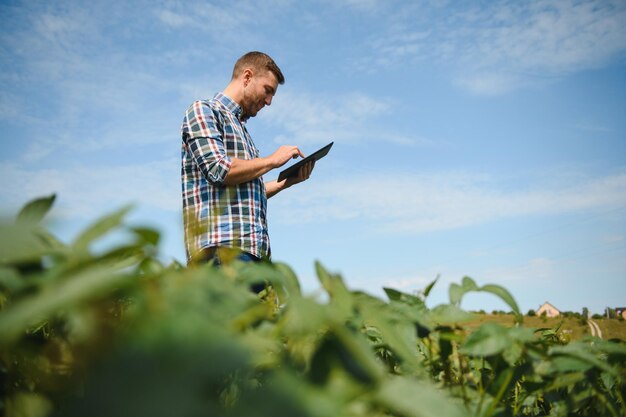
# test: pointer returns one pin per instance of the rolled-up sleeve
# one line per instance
(205, 142)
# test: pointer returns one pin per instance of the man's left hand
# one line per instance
(303, 174)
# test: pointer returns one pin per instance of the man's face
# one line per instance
(259, 92)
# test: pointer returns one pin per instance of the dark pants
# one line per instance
(211, 254)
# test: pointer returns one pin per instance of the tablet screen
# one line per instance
(293, 170)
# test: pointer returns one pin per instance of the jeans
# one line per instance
(256, 287)
(243, 256)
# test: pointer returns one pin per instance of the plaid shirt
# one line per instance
(215, 214)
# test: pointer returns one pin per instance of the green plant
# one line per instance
(119, 333)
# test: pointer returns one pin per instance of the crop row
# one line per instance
(119, 333)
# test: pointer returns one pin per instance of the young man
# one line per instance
(224, 195)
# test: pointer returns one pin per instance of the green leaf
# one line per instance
(414, 313)
(402, 297)
(35, 210)
(332, 283)
(522, 334)
(616, 352)
(565, 364)
(360, 360)
(150, 267)
(393, 295)
(285, 394)
(23, 243)
(340, 296)
(488, 339)
(565, 380)
(449, 314)
(429, 287)
(469, 284)
(290, 280)
(456, 293)
(279, 275)
(579, 351)
(390, 325)
(504, 294)
(28, 404)
(304, 318)
(95, 281)
(512, 353)
(147, 235)
(415, 398)
(10, 279)
(100, 228)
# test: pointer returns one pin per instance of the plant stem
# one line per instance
(501, 392)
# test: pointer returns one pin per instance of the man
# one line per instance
(224, 195)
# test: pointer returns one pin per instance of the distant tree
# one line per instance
(584, 316)
(597, 317)
(610, 313)
(494, 312)
(531, 313)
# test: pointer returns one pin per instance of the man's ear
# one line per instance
(247, 76)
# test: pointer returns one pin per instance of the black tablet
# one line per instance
(293, 170)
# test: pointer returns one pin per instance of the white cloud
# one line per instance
(314, 119)
(613, 239)
(362, 5)
(230, 24)
(537, 274)
(306, 118)
(175, 20)
(79, 80)
(534, 270)
(406, 204)
(89, 191)
(413, 283)
(498, 46)
(205, 17)
(73, 88)
(490, 83)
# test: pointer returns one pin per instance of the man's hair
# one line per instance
(258, 61)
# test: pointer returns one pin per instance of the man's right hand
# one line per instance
(246, 170)
(283, 154)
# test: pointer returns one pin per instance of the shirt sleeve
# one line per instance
(203, 135)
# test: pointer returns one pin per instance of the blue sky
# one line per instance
(483, 138)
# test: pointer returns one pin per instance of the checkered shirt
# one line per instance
(215, 214)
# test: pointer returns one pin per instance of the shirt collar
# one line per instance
(231, 105)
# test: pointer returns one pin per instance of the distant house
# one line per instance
(549, 310)
(620, 311)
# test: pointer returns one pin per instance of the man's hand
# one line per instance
(303, 174)
(284, 154)
(246, 170)
(243, 170)
(274, 187)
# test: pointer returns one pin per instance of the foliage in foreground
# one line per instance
(119, 334)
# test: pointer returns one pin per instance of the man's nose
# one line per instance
(268, 100)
